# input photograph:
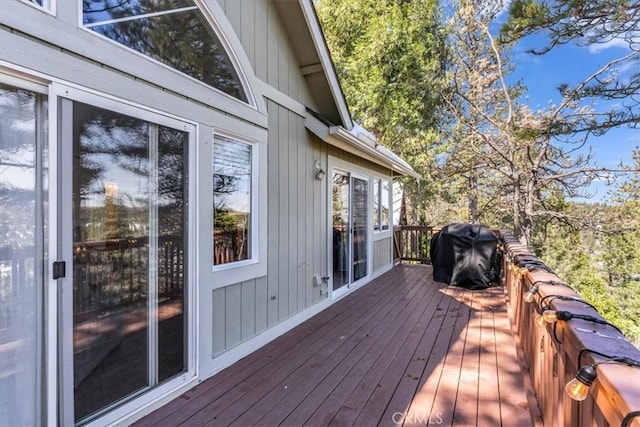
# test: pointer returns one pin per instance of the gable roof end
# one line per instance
(305, 33)
(308, 43)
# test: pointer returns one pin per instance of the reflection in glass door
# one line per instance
(359, 203)
(350, 229)
(23, 200)
(128, 233)
(340, 230)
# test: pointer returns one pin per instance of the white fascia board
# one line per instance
(384, 156)
(362, 147)
(325, 59)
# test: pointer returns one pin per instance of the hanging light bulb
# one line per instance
(528, 297)
(540, 320)
(578, 388)
(551, 316)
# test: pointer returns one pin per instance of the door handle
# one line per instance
(59, 269)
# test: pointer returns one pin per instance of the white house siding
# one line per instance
(257, 25)
(381, 254)
(297, 243)
(233, 325)
(297, 235)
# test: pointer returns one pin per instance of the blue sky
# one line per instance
(571, 64)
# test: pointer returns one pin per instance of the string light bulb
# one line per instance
(578, 388)
(528, 297)
(552, 316)
(540, 320)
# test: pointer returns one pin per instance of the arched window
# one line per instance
(174, 32)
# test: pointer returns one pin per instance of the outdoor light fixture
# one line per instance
(578, 388)
(528, 297)
(552, 316)
(540, 321)
(320, 173)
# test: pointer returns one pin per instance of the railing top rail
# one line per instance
(616, 391)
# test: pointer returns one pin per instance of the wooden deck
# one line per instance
(403, 350)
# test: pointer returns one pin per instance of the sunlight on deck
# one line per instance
(402, 350)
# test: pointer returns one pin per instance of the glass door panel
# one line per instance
(350, 229)
(111, 186)
(22, 200)
(340, 225)
(171, 260)
(359, 218)
(129, 231)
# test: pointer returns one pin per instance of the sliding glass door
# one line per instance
(23, 201)
(123, 215)
(350, 202)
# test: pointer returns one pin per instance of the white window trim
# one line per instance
(48, 6)
(238, 64)
(380, 233)
(256, 266)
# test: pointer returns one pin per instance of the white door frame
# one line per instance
(60, 385)
(352, 171)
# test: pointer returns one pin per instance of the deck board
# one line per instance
(401, 350)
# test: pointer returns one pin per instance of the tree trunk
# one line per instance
(515, 210)
(473, 199)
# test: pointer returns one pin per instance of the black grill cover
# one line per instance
(464, 255)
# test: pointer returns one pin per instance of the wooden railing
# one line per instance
(556, 351)
(110, 273)
(412, 243)
(106, 274)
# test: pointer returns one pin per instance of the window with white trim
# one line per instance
(175, 33)
(381, 192)
(232, 200)
(46, 4)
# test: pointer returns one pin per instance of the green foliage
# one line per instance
(390, 57)
(577, 258)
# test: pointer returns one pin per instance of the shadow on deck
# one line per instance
(402, 350)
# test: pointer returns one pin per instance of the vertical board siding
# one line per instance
(302, 271)
(260, 39)
(297, 237)
(262, 300)
(233, 315)
(248, 26)
(273, 212)
(248, 309)
(219, 322)
(257, 25)
(282, 170)
(239, 313)
(298, 204)
(293, 211)
(381, 253)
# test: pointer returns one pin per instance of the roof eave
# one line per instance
(318, 38)
(363, 147)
